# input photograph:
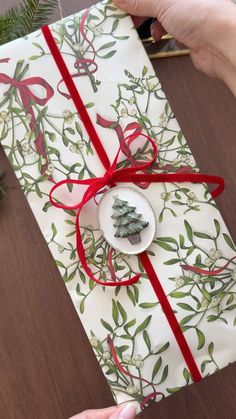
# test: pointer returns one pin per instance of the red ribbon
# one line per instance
(4, 60)
(205, 272)
(136, 127)
(110, 264)
(130, 175)
(27, 97)
(26, 94)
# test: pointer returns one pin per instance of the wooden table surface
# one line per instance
(47, 367)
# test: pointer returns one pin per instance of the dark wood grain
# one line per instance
(47, 367)
(5, 4)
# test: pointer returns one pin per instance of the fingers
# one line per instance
(138, 20)
(180, 45)
(139, 7)
(157, 30)
(125, 412)
(96, 414)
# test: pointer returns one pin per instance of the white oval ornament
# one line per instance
(127, 220)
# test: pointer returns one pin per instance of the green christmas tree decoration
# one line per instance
(127, 222)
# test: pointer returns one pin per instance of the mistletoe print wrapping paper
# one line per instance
(192, 253)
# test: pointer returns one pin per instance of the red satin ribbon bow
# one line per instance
(27, 98)
(26, 94)
(125, 175)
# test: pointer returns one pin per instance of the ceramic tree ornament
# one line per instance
(127, 222)
(131, 225)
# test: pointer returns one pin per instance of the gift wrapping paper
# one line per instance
(46, 142)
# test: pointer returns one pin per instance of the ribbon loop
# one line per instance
(25, 91)
(108, 178)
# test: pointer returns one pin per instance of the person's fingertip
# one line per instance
(138, 7)
(120, 3)
(97, 413)
(157, 31)
(128, 411)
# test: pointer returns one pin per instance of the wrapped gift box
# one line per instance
(46, 142)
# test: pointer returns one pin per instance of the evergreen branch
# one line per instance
(28, 17)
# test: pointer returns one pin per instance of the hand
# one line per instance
(207, 27)
(127, 411)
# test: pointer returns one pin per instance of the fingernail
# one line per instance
(128, 412)
(153, 30)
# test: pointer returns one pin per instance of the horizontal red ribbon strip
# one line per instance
(205, 272)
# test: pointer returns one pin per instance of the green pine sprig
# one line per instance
(26, 18)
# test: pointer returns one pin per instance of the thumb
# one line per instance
(128, 411)
(139, 7)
